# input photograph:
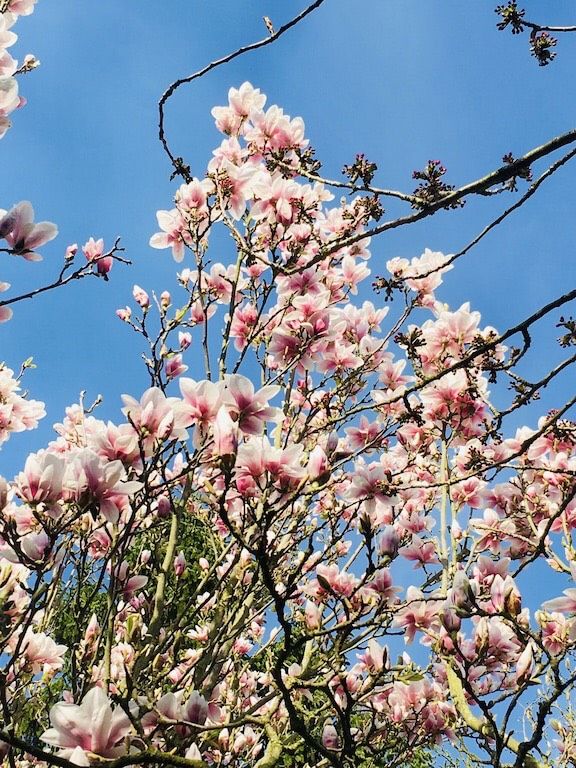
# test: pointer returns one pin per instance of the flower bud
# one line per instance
(512, 602)
(145, 556)
(164, 508)
(179, 564)
(462, 595)
(318, 468)
(482, 636)
(389, 542)
(525, 664)
(124, 314)
(30, 62)
(174, 367)
(450, 620)
(193, 753)
(141, 297)
(184, 339)
(225, 434)
(312, 615)
(71, 251)
(330, 738)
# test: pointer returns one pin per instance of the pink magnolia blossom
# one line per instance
(558, 632)
(116, 443)
(173, 233)
(416, 614)
(41, 653)
(273, 130)
(21, 7)
(42, 479)
(192, 202)
(9, 100)
(201, 402)
(155, 417)
(225, 431)
(375, 656)
(242, 326)
(174, 367)
(91, 478)
(195, 709)
(8, 65)
(91, 728)
(7, 38)
(23, 236)
(129, 583)
(241, 103)
(566, 604)
(235, 185)
(35, 545)
(257, 457)
(250, 408)
(332, 580)
(16, 413)
(94, 252)
(432, 262)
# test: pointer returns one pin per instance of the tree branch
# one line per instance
(177, 162)
(479, 186)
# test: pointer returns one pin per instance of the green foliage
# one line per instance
(77, 602)
(196, 539)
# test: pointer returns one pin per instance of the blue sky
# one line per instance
(401, 82)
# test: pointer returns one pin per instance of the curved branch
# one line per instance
(176, 162)
(479, 725)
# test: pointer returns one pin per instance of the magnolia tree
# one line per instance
(313, 555)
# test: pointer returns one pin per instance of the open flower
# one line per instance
(94, 252)
(41, 654)
(22, 235)
(90, 728)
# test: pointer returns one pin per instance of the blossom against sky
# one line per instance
(402, 83)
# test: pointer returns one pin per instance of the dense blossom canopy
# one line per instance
(313, 555)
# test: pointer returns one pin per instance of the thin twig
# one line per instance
(499, 219)
(85, 270)
(499, 176)
(546, 27)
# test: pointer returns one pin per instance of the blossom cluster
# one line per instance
(10, 98)
(229, 572)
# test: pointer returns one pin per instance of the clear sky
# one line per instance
(402, 82)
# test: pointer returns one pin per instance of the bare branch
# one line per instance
(499, 176)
